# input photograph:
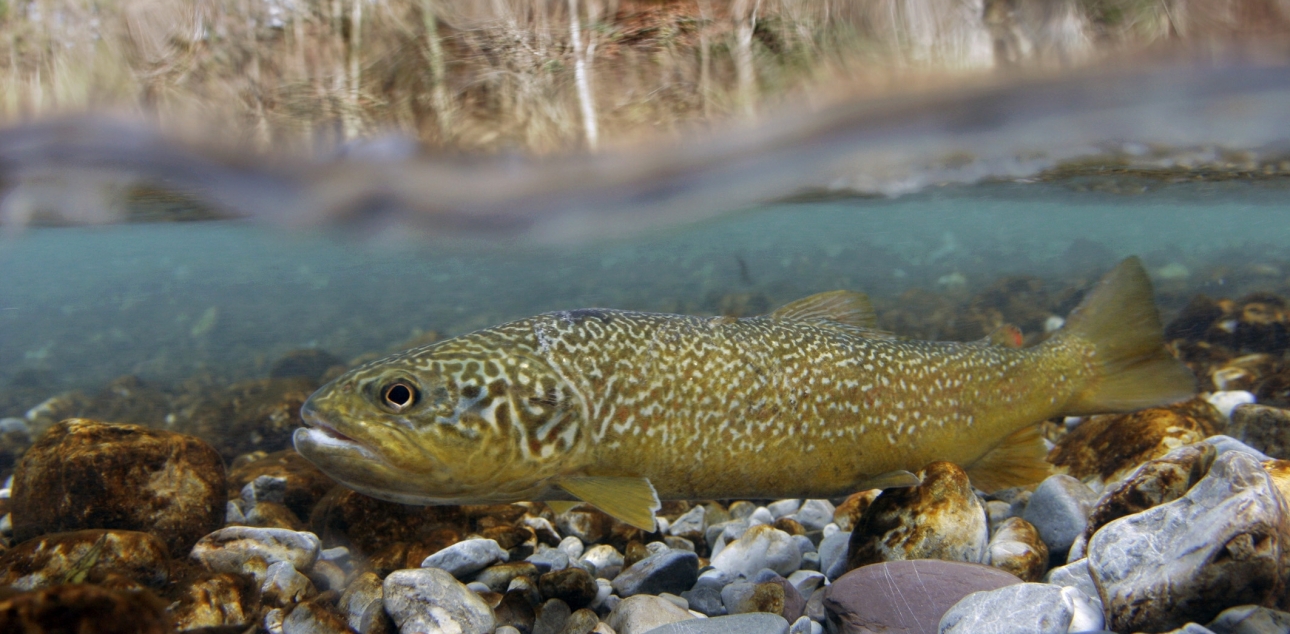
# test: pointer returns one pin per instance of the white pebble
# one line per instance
(1053, 323)
(830, 529)
(784, 507)
(1228, 401)
(762, 516)
(572, 546)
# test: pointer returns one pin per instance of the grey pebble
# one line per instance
(644, 612)
(815, 514)
(1059, 510)
(311, 618)
(705, 600)
(466, 557)
(1251, 619)
(833, 554)
(605, 560)
(726, 531)
(233, 514)
(761, 516)
(680, 602)
(741, 509)
(580, 622)
(506, 629)
(362, 603)
(669, 571)
(801, 626)
(679, 543)
(266, 488)
(572, 546)
(804, 544)
(752, 623)
(432, 600)
(283, 585)
(547, 559)
(781, 508)
(1075, 575)
(806, 581)
(760, 547)
(551, 617)
(1025, 608)
(810, 561)
(693, 521)
(229, 549)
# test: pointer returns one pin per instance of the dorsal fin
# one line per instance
(844, 307)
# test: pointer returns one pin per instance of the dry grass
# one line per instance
(499, 74)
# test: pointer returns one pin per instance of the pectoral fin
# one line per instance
(890, 480)
(629, 500)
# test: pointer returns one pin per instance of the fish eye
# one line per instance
(399, 395)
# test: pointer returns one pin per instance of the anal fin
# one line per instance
(1020, 459)
(629, 500)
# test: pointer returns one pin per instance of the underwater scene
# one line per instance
(781, 317)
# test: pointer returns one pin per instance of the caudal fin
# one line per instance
(1133, 368)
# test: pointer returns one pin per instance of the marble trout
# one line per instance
(619, 409)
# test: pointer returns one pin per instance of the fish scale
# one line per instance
(619, 408)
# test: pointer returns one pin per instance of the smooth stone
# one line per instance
(265, 488)
(1017, 548)
(727, 531)
(833, 554)
(585, 523)
(547, 559)
(941, 518)
(776, 596)
(643, 612)
(905, 595)
(432, 600)
(1219, 545)
(814, 515)
(551, 616)
(515, 610)
(574, 586)
(810, 561)
(996, 511)
(84, 474)
(741, 509)
(680, 602)
(1026, 608)
(705, 600)
(693, 522)
(498, 577)
(505, 629)
(1191, 628)
(1264, 428)
(1251, 619)
(760, 547)
(751, 623)
(781, 508)
(804, 544)
(604, 590)
(669, 571)
(806, 581)
(230, 549)
(284, 585)
(1225, 444)
(580, 622)
(313, 617)
(543, 529)
(305, 483)
(1226, 402)
(1156, 482)
(572, 546)
(605, 559)
(761, 516)
(1075, 575)
(679, 543)
(1059, 510)
(363, 605)
(801, 626)
(466, 557)
(58, 558)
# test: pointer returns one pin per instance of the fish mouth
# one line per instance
(319, 435)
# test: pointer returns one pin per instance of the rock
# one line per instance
(83, 608)
(752, 623)
(939, 519)
(725, 532)
(806, 581)
(516, 611)
(363, 606)
(304, 484)
(833, 555)
(512, 538)
(371, 527)
(761, 515)
(574, 586)
(498, 578)
(467, 557)
(1026, 608)
(669, 571)
(1076, 575)
(249, 416)
(803, 625)
(641, 613)
(587, 524)
(1224, 444)
(272, 515)
(814, 514)
(572, 546)
(86, 474)
(1017, 548)
(284, 586)
(760, 547)
(1226, 402)
(580, 622)
(1104, 449)
(775, 596)
(432, 600)
(1059, 510)
(905, 595)
(551, 617)
(85, 556)
(215, 599)
(782, 508)
(1251, 619)
(848, 513)
(1226, 542)
(705, 600)
(315, 617)
(230, 549)
(1264, 428)
(326, 575)
(690, 525)
(1156, 482)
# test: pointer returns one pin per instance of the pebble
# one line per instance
(550, 617)
(774, 596)
(752, 623)
(1228, 401)
(1225, 444)
(1187, 560)
(1264, 428)
(580, 622)
(706, 600)
(1059, 510)
(515, 610)
(1025, 608)
(432, 600)
(806, 581)
(572, 546)
(941, 518)
(313, 617)
(1017, 548)
(86, 474)
(498, 578)
(760, 547)
(85, 556)
(669, 571)
(230, 549)
(362, 603)
(216, 599)
(848, 513)
(284, 586)
(643, 612)
(761, 516)
(585, 523)
(814, 514)
(466, 557)
(547, 559)
(1156, 482)
(84, 608)
(690, 524)
(781, 508)
(605, 560)
(905, 595)
(1251, 619)
(1075, 575)
(803, 625)
(833, 554)
(574, 586)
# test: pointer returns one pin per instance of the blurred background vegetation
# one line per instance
(546, 75)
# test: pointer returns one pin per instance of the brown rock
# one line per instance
(363, 602)
(368, 526)
(1105, 449)
(248, 416)
(939, 519)
(316, 616)
(580, 622)
(1275, 390)
(87, 474)
(588, 524)
(215, 599)
(508, 536)
(905, 596)
(306, 484)
(81, 556)
(1279, 471)
(498, 577)
(1162, 480)
(1017, 549)
(84, 608)
(1264, 428)
(273, 515)
(573, 585)
(790, 526)
(1243, 373)
(848, 513)
(516, 611)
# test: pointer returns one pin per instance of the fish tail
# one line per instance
(1132, 368)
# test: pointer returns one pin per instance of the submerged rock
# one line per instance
(906, 596)
(1157, 482)
(432, 600)
(672, 571)
(753, 623)
(1226, 542)
(941, 518)
(1027, 608)
(643, 612)
(85, 556)
(467, 557)
(215, 599)
(84, 608)
(1264, 428)
(1059, 510)
(86, 474)
(304, 484)
(761, 546)
(231, 549)
(1017, 548)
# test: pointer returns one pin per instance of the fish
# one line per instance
(622, 409)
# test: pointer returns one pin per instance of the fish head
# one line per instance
(460, 422)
